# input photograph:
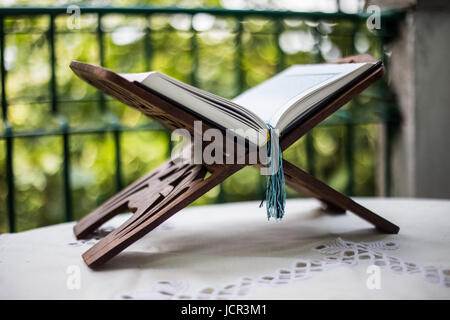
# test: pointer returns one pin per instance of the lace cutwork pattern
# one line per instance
(335, 252)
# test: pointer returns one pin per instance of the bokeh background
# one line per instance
(73, 147)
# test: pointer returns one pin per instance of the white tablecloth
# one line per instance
(232, 251)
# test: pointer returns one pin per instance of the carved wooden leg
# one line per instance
(304, 182)
(119, 202)
(154, 201)
(327, 206)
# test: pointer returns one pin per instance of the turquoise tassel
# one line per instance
(275, 183)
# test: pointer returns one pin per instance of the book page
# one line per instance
(278, 101)
(271, 98)
(139, 77)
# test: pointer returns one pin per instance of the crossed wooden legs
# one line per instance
(172, 186)
(152, 199)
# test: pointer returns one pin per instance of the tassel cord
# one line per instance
(275, 181)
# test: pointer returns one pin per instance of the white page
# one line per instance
(139, 77)
(270, 99)
(273, 101)
(210, 109)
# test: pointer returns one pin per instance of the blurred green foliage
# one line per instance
(218, 54)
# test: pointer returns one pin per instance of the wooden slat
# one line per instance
(301, 181)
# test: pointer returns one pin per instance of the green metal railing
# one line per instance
(386, 107)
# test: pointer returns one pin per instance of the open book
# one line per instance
(282, 101)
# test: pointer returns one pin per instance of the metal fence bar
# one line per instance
(240, 79)
(148, 57)
(310, 153)
(113, 120)
(9, 165)
(101, 55)
(68, 211)
(10, 182)
(148, 47)
(341, 118)
(281, 57)
(350, 157)
(194, 52)
(309, 137)
(67, 186)
(51, 40)
(350, 137)
(338, 16)
(3, 71)
(74, 131)
(118, 158)
(392, 117)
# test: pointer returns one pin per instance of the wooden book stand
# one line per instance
(172, 186)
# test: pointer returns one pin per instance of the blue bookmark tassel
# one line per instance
(275, 183)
